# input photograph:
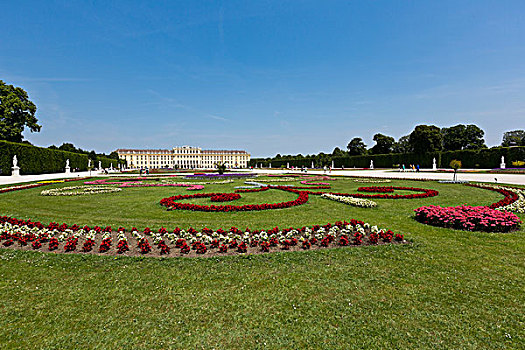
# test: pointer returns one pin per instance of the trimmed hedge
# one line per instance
(486, 158)
(37, 160)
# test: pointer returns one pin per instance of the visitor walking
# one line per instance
(417, 168)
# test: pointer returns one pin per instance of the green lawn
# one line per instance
(448, 290)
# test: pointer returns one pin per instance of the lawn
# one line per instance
(448, 289)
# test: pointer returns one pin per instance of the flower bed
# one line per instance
(356, 202)
(171, 203)
(468, 218)
(225, 197)
(510, 196)
(79, 190)
(29, 235)
(373, 181)
(127, 183)
(425, 194)
(378, 189)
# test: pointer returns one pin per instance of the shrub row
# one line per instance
(38, 160)
(487, 158)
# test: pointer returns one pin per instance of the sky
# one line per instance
(268, 77)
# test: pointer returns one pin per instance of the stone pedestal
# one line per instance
(15, 171)
(68, 170)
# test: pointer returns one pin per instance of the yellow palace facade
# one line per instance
(184, 157)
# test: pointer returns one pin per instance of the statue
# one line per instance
(371, 164)
(502, 165)
(434, 166)
(89, 163)
(15, 168)
(99, 165)
(67, 163)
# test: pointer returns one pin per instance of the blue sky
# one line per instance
(266, 76)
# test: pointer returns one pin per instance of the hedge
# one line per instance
(486, 158)
(37, 160)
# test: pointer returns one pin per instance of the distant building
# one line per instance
(184, 157)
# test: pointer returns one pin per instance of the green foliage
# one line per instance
(356, 146)
(463, 137)
(37, 160)
(16, 112)
(486, 158)
(426, 139)
(221, 167)
(455, 164)
(402, 145)
(514, 138)
(383, 144)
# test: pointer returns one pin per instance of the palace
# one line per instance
(184, 157)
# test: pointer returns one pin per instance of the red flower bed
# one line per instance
(380, 189)
(425, 194)
(171, 203)
(225, 197)
(510, 197)
(468, 218)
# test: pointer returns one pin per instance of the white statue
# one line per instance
(67, 163)
(371, 164)
(434, 165)
(270, 165)
(99, 164)
(89, 163)
(287, 165)
(502, 165)
(15, 162)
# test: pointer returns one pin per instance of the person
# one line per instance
(329, 169)
(342, 167)
(403, 167)
(417, 168)
(147, 171)
(140, 171)
(105, 171)
(324, 169)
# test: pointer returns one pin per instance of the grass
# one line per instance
(449, 289)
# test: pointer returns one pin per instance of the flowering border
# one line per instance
(36, 236)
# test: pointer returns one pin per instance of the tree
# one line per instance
(113, 155)
(356, 147)
(16, 112)
(425, 139)
(463, 137)
(456, 165)
(402, 145)
(383, 144)
(68, 147)
(337, 152)
(514, 138)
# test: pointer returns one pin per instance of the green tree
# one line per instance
(69, 147)
(402, 145)
(461, 136)
(514, 138)
(16, 112)
(456, 165)
(425, 139)
(383, 144)
(337, 152)
(356, 147)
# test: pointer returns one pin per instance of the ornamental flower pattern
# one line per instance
(203, 242)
